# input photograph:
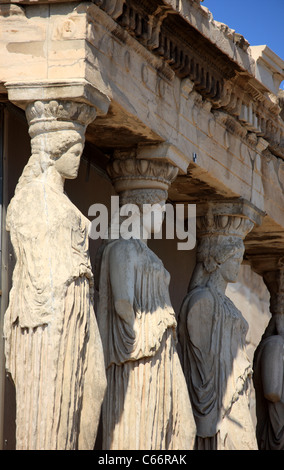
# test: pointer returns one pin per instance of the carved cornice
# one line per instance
(162, 31)
(159, 27)
(255, 111)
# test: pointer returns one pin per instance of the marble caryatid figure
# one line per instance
(52, 344)
(268, 366)
(212, 333)
(146, 404)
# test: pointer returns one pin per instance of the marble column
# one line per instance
(146, 405)
(268, 363)
(212, 331)
(52, 344)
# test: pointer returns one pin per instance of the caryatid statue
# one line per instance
(52, 344)
(212, 334)
(268, 366)
(146, 404)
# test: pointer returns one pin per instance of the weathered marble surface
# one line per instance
(212, 334)
(146, 404)
(268, 382)
(52, 344)
(215, 107)
(269, 368)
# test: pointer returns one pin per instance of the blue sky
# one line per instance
(259, 21)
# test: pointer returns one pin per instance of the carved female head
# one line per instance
(61, 149)
(219, 255)
(57, 130)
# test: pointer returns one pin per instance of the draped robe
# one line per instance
(212, 334)
(270, 414)
(52, 343)
(146, 404)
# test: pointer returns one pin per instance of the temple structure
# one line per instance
(164, 105)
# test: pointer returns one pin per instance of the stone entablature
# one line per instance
(186, 52)
(228, 84)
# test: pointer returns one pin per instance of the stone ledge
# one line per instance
(21, 93)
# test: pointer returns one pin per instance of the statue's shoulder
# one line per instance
(200, 299)
(123, 251)
(123, 245)
(30, 196)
